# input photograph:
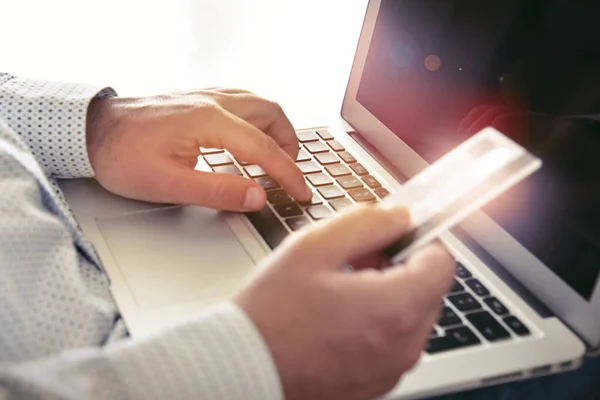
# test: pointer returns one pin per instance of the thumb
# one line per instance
(214, 190)
(425, 277)
(352, 234)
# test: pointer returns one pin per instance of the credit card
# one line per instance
(456, 185)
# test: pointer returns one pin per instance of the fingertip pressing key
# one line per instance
(308, 191)
(255, 199)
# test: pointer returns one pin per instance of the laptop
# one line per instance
(427, 74)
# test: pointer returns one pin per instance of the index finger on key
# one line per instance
(265, 115)
(250, 144)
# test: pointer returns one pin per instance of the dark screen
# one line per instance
(438, 71)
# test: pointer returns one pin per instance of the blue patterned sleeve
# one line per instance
(216, 356)
(50, 117)
(56, 314)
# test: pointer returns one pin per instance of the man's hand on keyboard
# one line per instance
(335, 334)
(147, 148)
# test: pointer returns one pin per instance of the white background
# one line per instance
(298, 52)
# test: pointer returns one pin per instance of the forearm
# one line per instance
(216, 355)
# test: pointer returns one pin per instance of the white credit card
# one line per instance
(456, 185)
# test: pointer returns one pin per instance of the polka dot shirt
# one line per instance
(61, 335)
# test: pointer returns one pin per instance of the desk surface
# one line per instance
(297, 52)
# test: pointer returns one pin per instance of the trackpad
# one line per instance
(177, 254)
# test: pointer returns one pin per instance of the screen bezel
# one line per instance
(581, 315)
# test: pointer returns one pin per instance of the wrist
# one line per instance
(101, 120)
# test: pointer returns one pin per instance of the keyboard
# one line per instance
(470, 315)
(337, 179)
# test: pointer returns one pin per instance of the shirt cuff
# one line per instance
(220, 356)
(50, 117)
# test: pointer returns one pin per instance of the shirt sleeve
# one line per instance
(50, 117)
(54, 309)
(218, 355)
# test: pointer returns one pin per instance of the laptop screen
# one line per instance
(439, 71)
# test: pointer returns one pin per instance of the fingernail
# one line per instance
(254, 199)
(309, 191)
(398, 208)
(401, 212)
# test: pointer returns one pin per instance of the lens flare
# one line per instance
(433, 62)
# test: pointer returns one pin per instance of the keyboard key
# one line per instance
(314, 201)
(359, 169)
(218, 159)
(477, 287)
(496, 306)
(227, 169)
(338, 170)
(347, 157)
(456, 287)
(324, 134)
(371, 182)
(303, 155)
(349, 182)
(242, 163)
(327, 158)
(336, 146)
(205, 151)
(201, 165)
(448, 317)
(306, 136)
(516, 325)
(488, 326)
(461, 271)
(270, 228)
(268, 183)
(453, 339)
(319, 212)
(319, 179)
(308, 167)
(363, 194)
(330, 192)
(316, 147)
(464, 302)
(381, 192)
(288, 210)
(340, 204)
(255, 171)
(297, 223)
(278, 197)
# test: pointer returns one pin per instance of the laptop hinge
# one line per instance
(595, 352)
(376, 154)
